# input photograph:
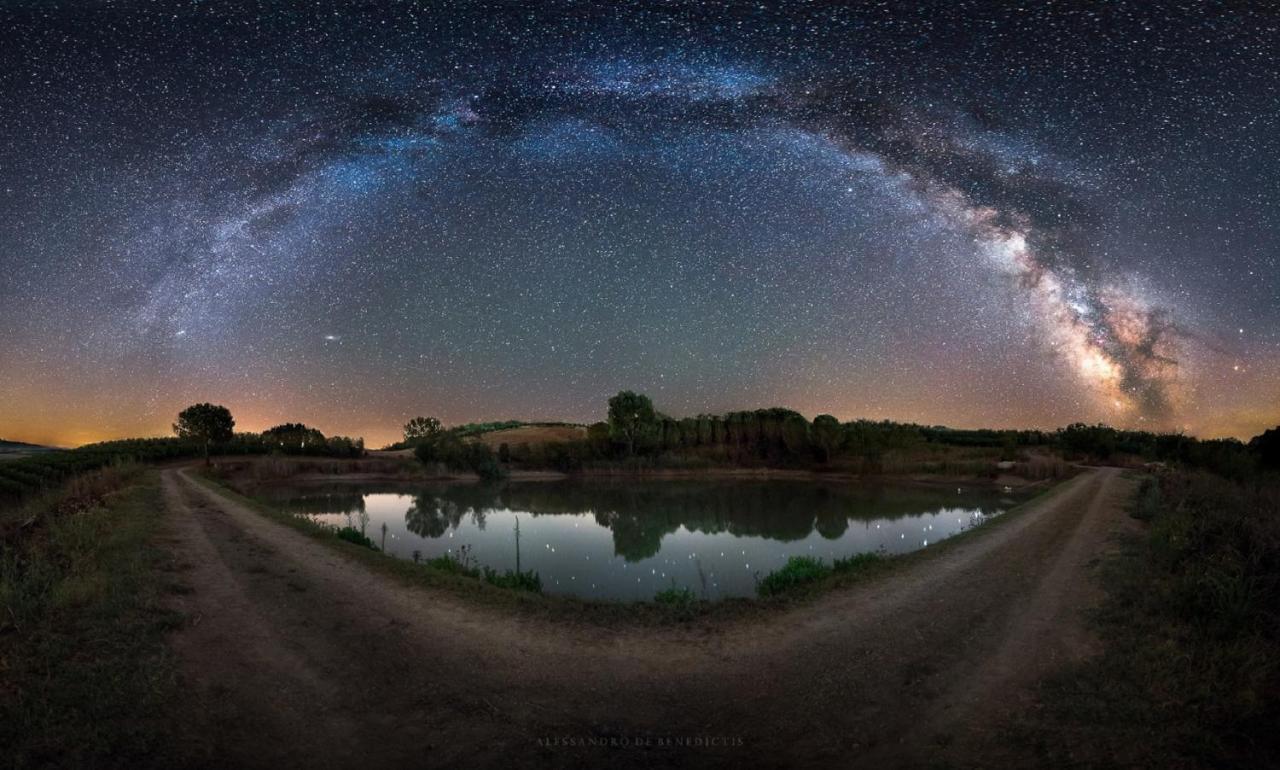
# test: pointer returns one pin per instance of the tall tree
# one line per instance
(826, 435)
(294, 437)
(631, 415)
(421, 429)
(205, 423)
(1267, 448)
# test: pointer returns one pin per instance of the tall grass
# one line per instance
(1190, 670)
(798, 571)
(86, 676)
(283, 468)
(1042, 467)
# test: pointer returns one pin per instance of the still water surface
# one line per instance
(629, 540)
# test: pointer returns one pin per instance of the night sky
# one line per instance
(945, 214)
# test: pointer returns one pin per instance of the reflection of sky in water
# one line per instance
(633, 552)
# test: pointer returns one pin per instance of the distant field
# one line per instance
(12, 450)
(532, 435)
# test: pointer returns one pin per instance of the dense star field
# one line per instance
(946, 214)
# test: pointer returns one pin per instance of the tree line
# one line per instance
(211, 426)
(635, 432)
(199, 431)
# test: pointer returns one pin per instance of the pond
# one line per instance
(629, 540)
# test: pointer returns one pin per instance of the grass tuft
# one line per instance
(681, 598)
(353, 535)
(798, 571)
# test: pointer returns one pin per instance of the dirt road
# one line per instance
(295, 656)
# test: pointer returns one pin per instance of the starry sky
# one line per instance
(348, 214)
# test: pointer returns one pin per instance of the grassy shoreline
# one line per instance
(1189, 672)
(87, 677)
(562, 608)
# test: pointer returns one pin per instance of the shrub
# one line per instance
(517, 581)
(459, 455)
(1147, 503)
(459, 563)
(675, 597)
(798, 571)
(857, 562)
(353, 535)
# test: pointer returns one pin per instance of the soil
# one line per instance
(295, 656)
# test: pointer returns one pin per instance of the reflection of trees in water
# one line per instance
(315, 500)
(640, 514)
(830, 523)
(431, 515)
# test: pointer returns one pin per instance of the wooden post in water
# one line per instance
(517, 545)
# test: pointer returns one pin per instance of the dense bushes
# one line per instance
(458, 455)
(1225, 457)
(637, 436)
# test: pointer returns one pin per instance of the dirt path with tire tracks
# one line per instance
(295, 656)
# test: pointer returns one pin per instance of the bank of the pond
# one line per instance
(398, 467)
(85, 679)
(572, 609)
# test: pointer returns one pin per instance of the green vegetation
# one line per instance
(632, 419)
(674, 596)
(429, 428)
(46, 472)
(353, 535)
(459, 574)
(527, 580)
(205, 424)
(639, 437)
(799, 570)
(636, 436)
(806, 570)
(421, 429)
(1190, 671)
(858, 562)
(204, 431)
(1225, 457)
(87, 679)
(456, 454)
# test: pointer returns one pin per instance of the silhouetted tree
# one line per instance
(205, 423)
(631, 417)
(598, 437)
(826, 435)
(422, 429)
(294, 437)
(795, 434)
(1267, 448)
